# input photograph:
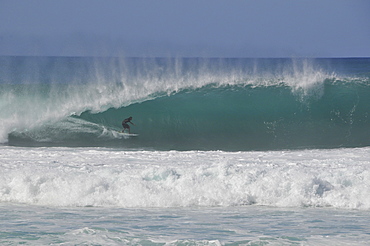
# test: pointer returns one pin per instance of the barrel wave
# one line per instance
(189, 104)
(246, 117)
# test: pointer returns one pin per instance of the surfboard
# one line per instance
(127, 134)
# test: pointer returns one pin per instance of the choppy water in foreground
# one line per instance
(99, 196)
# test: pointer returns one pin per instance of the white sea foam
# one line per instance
(337, 178)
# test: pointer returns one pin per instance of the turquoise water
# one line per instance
(186, 104)
(229, 151)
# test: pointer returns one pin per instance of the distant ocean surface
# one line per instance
(229, 151)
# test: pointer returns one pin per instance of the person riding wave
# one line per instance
(125, 125)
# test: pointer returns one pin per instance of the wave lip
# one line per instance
(186, 104)
(233, 118)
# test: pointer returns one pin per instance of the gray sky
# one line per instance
(211, 28)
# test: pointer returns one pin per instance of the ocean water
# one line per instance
(229, 151)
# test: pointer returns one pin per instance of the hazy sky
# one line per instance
(213, 28)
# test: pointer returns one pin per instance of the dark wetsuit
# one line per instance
(124, 123)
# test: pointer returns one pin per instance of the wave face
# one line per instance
(185, 104)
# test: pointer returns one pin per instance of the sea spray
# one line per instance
(144, 191)
(208, 104)
(37, 90)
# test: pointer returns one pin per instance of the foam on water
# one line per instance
(133, 196)
(337, 178)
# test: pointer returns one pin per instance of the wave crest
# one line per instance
(83, 96)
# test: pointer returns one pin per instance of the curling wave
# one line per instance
(189, 104)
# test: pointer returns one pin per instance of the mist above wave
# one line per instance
(45, 90)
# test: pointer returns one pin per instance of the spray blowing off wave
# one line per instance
(230, 104)
(41, 90)
(227, 118)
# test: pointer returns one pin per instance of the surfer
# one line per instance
(125, 125)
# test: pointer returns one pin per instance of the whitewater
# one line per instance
(229, 151)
